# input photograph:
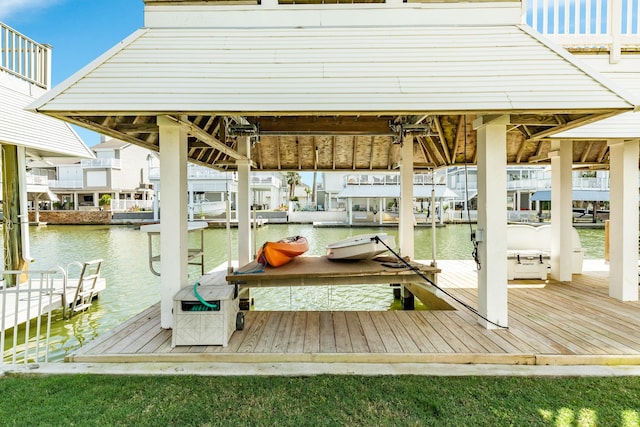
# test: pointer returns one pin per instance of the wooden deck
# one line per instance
(549, 324)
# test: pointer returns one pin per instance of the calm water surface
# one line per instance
(131, 287)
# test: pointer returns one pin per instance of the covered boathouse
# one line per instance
(307, 86)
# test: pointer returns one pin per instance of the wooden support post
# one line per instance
(408, 299)
(13, 259)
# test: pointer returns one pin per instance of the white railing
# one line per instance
(37, 179)
(100, 163)
(522, 216)
(609, 24)
(68, 183)
(24, 307)
(24, 58)
(131, 205)
(462, 216)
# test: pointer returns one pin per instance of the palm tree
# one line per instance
(293, 179)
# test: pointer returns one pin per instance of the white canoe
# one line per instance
(362, 246)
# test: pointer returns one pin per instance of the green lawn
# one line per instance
(326, 400)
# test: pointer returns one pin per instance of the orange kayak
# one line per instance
(281, 252)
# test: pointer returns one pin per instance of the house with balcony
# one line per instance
(208, 190)
(115, 179)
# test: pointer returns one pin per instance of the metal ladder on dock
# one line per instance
(85, 290)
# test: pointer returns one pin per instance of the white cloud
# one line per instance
(12, 7)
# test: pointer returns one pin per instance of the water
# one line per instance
(131, 287)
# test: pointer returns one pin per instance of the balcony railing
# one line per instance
(592, 24)
(67, 184)
(24, 58)
(37, 179)
(100, 163)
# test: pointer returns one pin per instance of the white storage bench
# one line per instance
(195, 323)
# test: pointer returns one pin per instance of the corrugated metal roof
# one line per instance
(393, 191)
(364, 69)
(41, 135)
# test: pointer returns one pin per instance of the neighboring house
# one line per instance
(208, 188)
(116, 179)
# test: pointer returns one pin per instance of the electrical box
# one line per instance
(195, 323)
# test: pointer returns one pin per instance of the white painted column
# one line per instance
(406, 219)
(174, 271)
(96, 199)
(156, 214)
(350, 211)
(190, 204)
(492, 219)
(76, 206)
(382, 209)
(561, 155)
(623, 228)
(243, 211)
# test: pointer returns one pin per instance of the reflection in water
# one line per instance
(131, 287)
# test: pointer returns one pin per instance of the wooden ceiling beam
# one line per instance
(456, 143)
(205, 137)
(585, 152)
(333, 152)
(319, 126)
(443, 141)
(603, 153)
(520, 153)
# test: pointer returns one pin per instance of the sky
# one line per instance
(78, 30)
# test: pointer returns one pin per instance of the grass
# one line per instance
(98, 400)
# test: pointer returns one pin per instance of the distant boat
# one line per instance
(207, 208)
(362, 246)
(281, 252)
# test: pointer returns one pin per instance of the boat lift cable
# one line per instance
(474, 241)
(430, 282)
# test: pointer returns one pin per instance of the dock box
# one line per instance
(195, 323)
(527, 264)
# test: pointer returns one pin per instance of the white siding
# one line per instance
(626, 73)
(333, 70)
(41, 135)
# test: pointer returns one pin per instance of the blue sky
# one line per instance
(78, 30)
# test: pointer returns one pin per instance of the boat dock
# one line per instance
(542, 330)
(27, 302)
(44, 291)
(222, 223)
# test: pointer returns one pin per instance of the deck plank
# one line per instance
(356, 333)
(283, 334)
(374, 341)
(327, 335)
(390, 341)
(341, 330)
(269, 332)
(312, 333)
(298, 331)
